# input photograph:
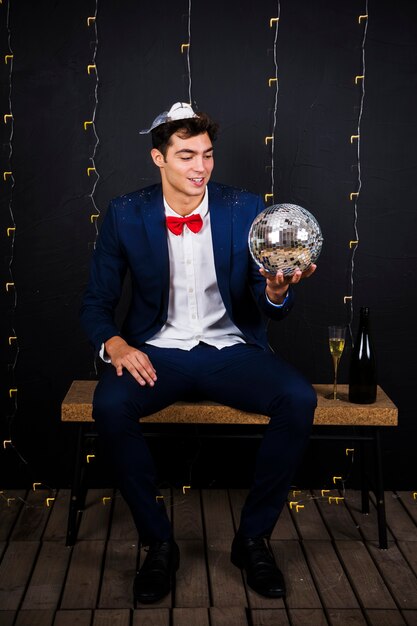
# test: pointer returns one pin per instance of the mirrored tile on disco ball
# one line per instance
(285, 237)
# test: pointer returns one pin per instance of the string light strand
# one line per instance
(91, 125)
(187, 47)
(92, 169)
(355, 196)
(188, 53)
(276, 83)
(11, 233)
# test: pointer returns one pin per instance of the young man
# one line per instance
(195, 329)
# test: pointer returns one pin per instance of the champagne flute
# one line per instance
(336, 345)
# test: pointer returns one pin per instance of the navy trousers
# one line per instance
(242, 376)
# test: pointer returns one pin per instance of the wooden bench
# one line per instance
(77, 409)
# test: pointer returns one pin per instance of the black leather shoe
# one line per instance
(154, 579)
(262, 574)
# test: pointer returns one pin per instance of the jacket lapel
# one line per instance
(153, 213)
(221, 231)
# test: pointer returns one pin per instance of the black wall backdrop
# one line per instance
(140, 70)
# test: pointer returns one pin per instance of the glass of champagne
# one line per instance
(336, 345)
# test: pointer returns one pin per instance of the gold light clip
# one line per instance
(336, 499)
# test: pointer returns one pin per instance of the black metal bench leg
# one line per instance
(364, 479)
(379, 493)
(76, 490)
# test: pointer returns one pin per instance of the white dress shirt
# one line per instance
(195, 308)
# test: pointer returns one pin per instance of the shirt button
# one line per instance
(190, 290)
(188, 261)
(194, 316)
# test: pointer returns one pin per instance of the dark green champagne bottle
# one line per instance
(362, 371)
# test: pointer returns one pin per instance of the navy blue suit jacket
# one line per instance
(133, 236)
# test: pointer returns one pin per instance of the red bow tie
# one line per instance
(176, 224)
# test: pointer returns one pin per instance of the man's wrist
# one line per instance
(277, 300)
(111, 343)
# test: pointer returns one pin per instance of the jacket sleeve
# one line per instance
(107, 271)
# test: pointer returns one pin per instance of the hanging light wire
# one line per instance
(97, 211)
(359, 170)
(274, 123)
(92, 20)
(188, 54)
(11, 231)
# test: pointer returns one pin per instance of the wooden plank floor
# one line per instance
(335, 572)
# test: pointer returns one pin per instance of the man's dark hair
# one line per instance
(190, 127)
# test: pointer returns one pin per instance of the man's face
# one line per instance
(187, 166)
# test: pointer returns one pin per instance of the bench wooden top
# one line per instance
(77, 407)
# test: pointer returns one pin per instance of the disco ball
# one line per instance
(285, 237)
